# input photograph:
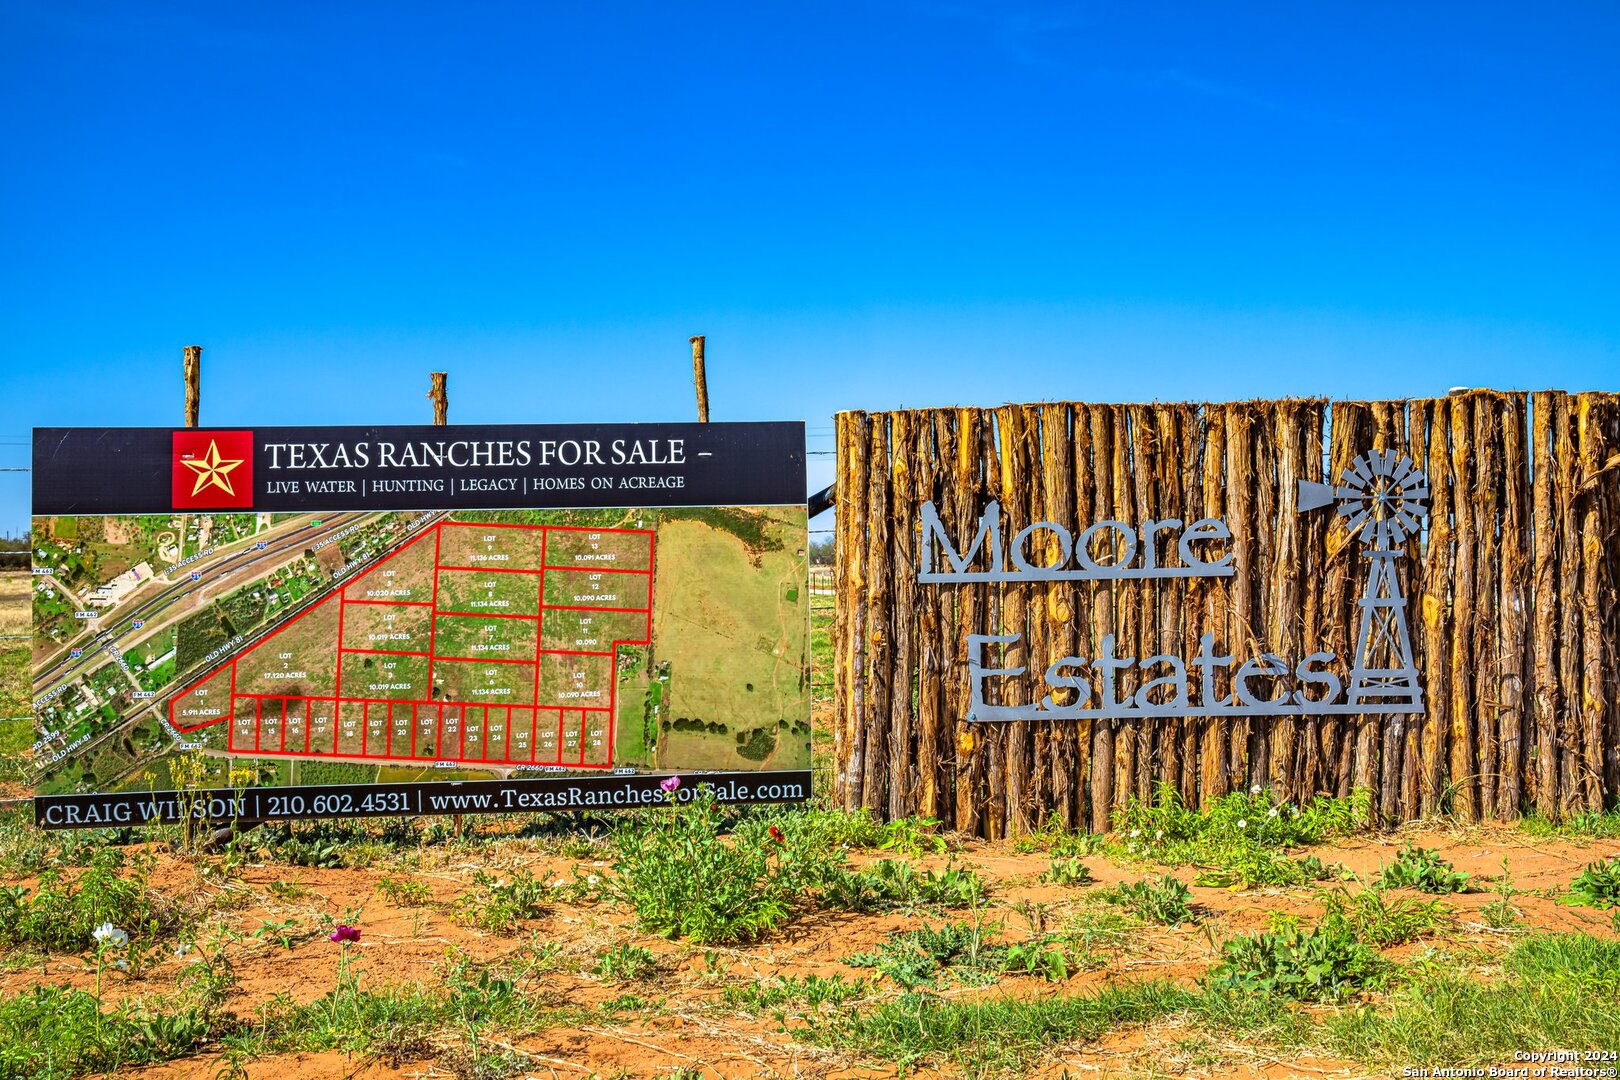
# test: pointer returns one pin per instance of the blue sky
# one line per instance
(862, 206)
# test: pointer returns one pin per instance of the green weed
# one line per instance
(1322, 965)
(1379, 920)
(404, 892)
(1059, 842)
(61, 914)
(1422, 869)
(1161, 900)
(1041, 958)
(1069, 871)
(913, 958)
(280, 932)
(683, 881)
(1597, 885)
(1238, 839)
(58, 1031)
(895, 883)
(625, 963)
(1500, 914)
(810, 992)
(1560, 990)
(498, 905)
(1584, 824)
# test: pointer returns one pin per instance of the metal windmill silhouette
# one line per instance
(1382, 498)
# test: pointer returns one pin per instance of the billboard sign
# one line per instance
(397, 620)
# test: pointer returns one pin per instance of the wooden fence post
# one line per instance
(440, 398)
(193, 376)
(700, 379)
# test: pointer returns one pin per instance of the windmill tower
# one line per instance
(1382, 498)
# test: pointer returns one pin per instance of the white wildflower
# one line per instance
(1242, 824)
(108, 934)
(592, 880)
(1135, 833)
(1159, 835)
(1254, 789)
(1272, 812)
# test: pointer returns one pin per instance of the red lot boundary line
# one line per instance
(539, 627)
(433, 619)
(442, 710)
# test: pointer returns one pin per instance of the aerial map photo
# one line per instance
(373, 647)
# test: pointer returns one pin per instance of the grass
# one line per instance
(1558, 990)
(821, 647)
(808, 993)
(996, 1035)
(1581, 825)
(1551, 991)
(15, 699)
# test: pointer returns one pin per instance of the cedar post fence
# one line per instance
(1513, 610)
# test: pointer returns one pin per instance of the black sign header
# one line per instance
(471, 467)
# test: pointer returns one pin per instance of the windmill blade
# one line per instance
(1404, 470)
(1314, 496)
(1358, 475)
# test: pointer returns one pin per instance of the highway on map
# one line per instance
(153, 706)
(65, 667)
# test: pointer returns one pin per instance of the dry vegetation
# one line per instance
(15, 586)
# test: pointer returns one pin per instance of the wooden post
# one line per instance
(440, 398)
(193, 373)
(700, 379)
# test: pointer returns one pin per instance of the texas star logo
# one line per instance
(213, 470)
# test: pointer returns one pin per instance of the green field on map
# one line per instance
(357, 647)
